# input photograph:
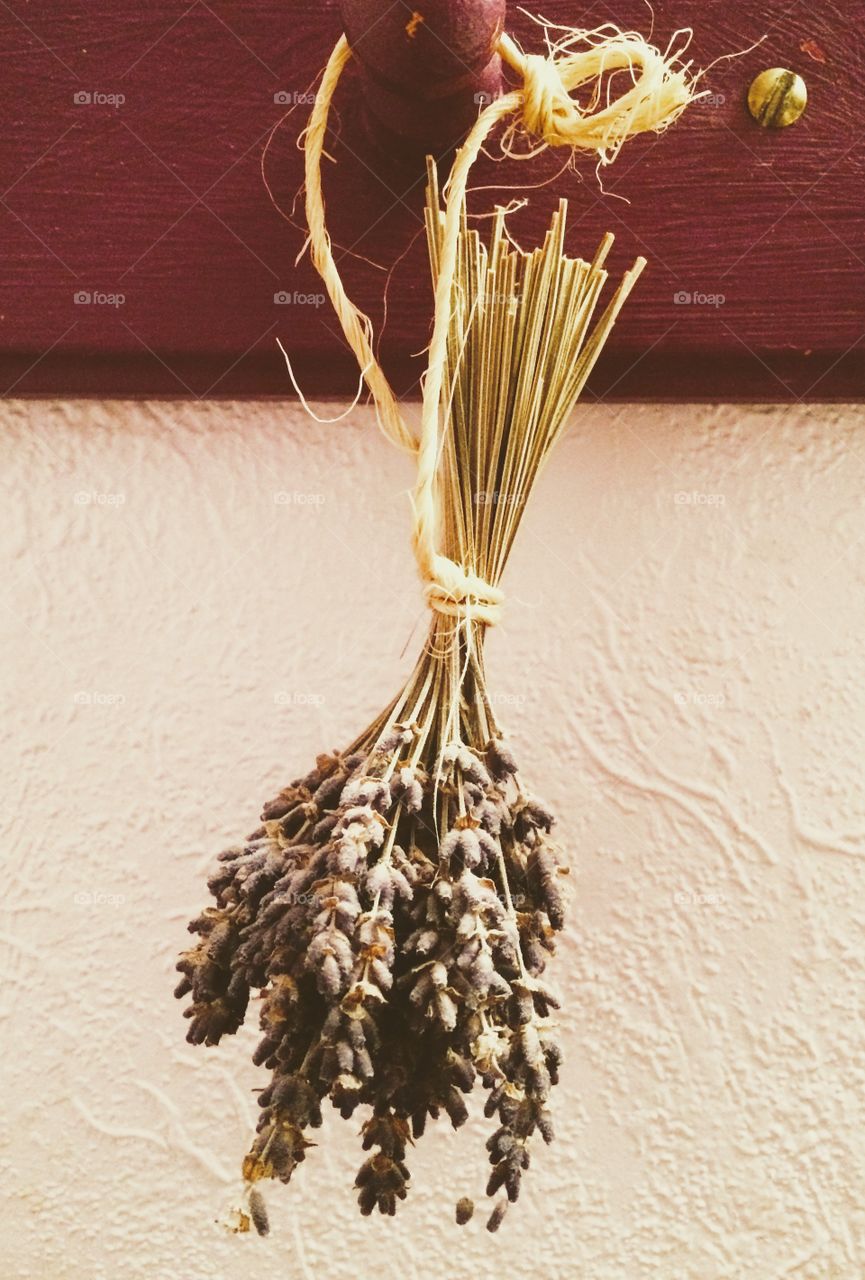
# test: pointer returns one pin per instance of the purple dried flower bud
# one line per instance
(473, 769)
(470, 848)
(544, 998)
(473, 796)
(374, 937)
(467, 928)
(494, 1221)
(422, 989)
(461, 1070)
(512, 1181)
(380, 974)
(398, 736)
(327, 794)
(258, 1212)
(500, 760)
(449, 848)
(287, 800)
(498, 986)
(400, 859)
(460, 848)
(446, 1010)
(455, 1107)
(490, 847)
(501, 1144)
(490, 816)
(545, 1126)
(497, 1177)
(422, 941)
(347, 857)
(553, 1056)
(464, 1210)
(323, 829)
(532, 816)
(407, 788)
(401, 884)
(371, 792)
(330, 980)
(363, 1064)
(481, 972)
(544, 872)
(443, 890)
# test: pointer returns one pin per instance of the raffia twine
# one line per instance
(662, 85)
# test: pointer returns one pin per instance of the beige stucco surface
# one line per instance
(199, 598)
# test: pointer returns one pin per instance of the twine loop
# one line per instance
(460, 593)
(548, 109)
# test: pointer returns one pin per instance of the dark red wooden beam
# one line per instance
(131, 155)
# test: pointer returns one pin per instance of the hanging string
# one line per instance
(543, 106)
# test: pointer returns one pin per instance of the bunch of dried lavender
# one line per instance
(397, 905)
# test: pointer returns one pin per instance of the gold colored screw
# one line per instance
(777, 97)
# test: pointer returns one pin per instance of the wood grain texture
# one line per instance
(159, 198)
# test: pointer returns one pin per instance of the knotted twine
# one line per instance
(660, 90)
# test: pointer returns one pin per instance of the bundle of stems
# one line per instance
(397, 906)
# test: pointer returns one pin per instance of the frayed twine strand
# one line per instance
(662, 85)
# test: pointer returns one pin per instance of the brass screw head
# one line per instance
(777, 97)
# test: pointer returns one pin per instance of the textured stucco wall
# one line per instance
(683, 678)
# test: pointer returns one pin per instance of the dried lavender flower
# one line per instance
(258, 1212)
(464, 1210)
(494, 1221)
(397, 905)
